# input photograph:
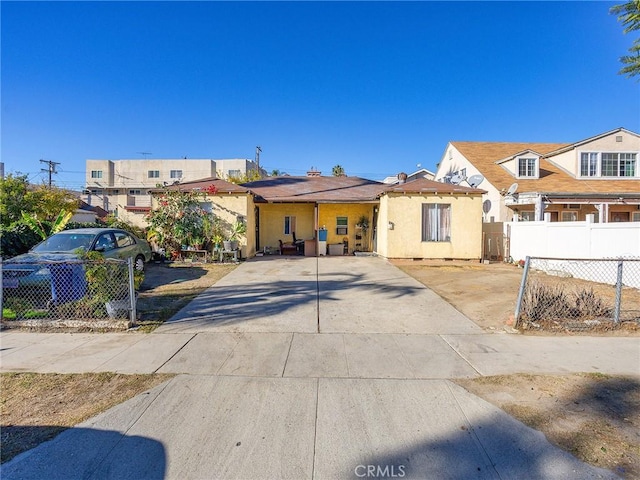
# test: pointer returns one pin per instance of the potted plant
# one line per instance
(238, 230)
(363, 225)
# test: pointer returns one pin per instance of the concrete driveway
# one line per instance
(309, 368)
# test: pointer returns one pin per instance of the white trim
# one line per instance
(536, 166)
(598, 175)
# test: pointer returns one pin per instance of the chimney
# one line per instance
(402, 177)
(313, 172)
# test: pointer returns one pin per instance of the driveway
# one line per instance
(308, 368)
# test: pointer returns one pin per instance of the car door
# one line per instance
(106, 244)
(126, 245)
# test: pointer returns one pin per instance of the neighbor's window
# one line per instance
(569, 216)
(135, 192)
(588, 164)
(527, 167)
(235, 173)
(96, 173)
(175, 174)
(154, 174)
(618, 164)
(527, 216)
(342, 225)
(436, 222)
(289, 224)
(608, 164)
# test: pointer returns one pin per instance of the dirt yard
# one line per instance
(487, 293)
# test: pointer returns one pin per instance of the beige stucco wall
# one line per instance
(405, 239)
(272, 222)
(570, 161)
(327, 217)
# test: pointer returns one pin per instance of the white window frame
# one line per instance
(175, 174)
(342, 225)
(135, 192)
(289, 224)
(635, 216)
(96, 173)
(597, 157)
(535, 173)
(153, 174)
(440, 224)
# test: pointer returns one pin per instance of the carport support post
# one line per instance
(523, 285)
(132, 292)
(616, 312)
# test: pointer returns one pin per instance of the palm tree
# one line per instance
(338, 171)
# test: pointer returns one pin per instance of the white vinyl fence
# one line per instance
(573, 239)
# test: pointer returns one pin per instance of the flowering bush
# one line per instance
(180, 220)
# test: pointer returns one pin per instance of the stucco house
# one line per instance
(599, 175)
(417, 219)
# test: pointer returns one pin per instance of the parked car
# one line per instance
(28, 269)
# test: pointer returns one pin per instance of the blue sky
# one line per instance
(373, 86)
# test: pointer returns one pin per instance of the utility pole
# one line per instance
(258, 150)
(51, 170)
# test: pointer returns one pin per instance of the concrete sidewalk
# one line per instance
(309, 368)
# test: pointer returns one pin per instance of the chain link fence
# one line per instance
(579, 294)
(72, 293)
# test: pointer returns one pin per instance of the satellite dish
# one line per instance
(456, 179)
(512, 189)
(486, 206)
(475, 180)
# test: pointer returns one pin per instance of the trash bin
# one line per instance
(68, 282)
(322, 235)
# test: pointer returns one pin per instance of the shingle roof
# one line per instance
(422, 185)
(484, 155)
(222, 186)
(316, 189)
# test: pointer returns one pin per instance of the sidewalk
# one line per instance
(309, 368)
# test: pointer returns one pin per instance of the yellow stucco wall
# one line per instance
(405, 239)
(272, 222)
(327, 217)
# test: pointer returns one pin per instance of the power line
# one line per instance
(51, 170)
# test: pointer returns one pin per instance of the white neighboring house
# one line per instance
(121, 187)
(559, 181)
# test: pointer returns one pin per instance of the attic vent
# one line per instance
(619, 138)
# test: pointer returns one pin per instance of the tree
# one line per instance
(17, 196)
(14, 198)
(338, 171)
(275, 173)
(629, 15)
(249, 176)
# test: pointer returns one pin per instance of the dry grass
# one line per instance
(595, 417)
(37, 407)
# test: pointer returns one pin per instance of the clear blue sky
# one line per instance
(375, 87)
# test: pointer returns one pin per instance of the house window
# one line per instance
(527, 216)
(96, 191)
(588, 164)
(96, 173)
(154, 174)
(342, 225)
(569, 216)
(115, 192)
(608, 164)
(175, 174)
(235, 173)
(135, 192)
(436, 222)
(527, 167)
(289, 224)
(635, 217)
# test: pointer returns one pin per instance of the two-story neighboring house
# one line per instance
(122, 187)
(558, 181)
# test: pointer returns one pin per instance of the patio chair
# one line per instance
(288, 248)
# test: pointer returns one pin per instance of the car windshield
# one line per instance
(64, 242)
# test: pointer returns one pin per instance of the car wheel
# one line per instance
(138, 264)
